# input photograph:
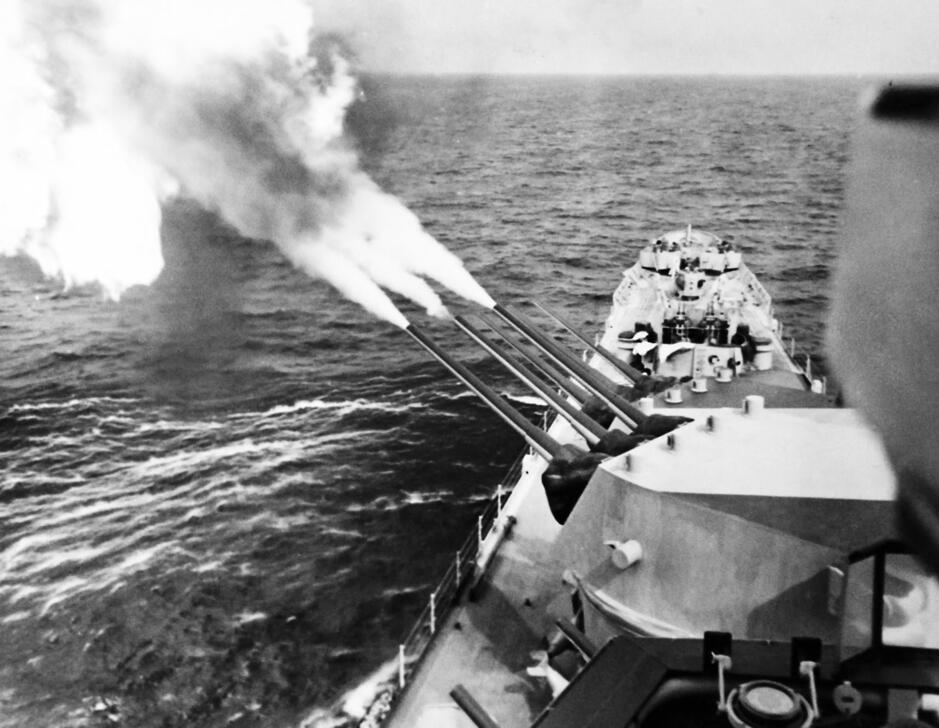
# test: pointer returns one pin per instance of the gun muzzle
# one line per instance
(537, 438)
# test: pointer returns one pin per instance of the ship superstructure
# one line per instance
(690, 307)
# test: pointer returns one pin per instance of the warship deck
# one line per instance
(486, 644)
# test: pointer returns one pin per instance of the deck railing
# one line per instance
(803, 361)
(444, 595)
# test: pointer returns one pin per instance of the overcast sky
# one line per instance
(880, 37)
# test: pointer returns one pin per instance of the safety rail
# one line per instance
(802, 359)
(760, 295)
(443, 596)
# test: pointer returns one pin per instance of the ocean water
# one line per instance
(224, 499)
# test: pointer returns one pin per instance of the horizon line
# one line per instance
(859, 75)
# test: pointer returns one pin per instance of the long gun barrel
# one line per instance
(540, 440)
(591, 431)
(629, 413)
(569, 386)
(632, 374)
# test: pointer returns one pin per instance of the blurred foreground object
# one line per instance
(884, 330)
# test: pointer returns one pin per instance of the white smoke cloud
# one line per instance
(115, 105)
(28, 128)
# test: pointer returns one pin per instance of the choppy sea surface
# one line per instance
(224, 499)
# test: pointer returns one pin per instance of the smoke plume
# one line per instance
(114, 106)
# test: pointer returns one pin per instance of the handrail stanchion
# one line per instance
(401, 676)
(416, 643)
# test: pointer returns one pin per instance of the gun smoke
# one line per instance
(114, 107)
